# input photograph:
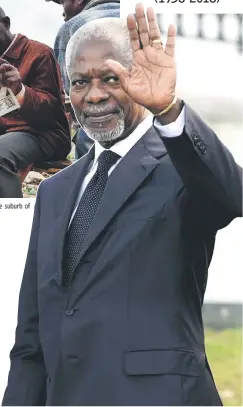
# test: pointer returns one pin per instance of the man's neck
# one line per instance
(85, 3)
(9, 38)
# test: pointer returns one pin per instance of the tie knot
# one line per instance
(107, 159)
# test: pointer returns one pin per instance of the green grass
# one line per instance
(224, 351)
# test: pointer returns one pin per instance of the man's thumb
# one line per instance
(119, 70)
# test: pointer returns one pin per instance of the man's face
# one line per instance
(4, 29)
(70, 8)
(102, 108)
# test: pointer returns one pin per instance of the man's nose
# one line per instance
(96, 95)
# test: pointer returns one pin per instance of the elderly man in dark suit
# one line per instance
(110, 303)
(76, 13)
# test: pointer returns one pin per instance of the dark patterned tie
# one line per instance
(85, 213)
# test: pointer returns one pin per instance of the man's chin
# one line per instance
(102, 136)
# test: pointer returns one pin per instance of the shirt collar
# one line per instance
(10, 46)
(124, 146)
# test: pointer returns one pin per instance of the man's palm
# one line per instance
(152, 78)
(151, 81)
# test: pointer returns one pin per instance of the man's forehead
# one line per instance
(99, 69)
(91, 46)
(92, 57)
(94, 53)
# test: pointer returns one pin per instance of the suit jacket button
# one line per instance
(69, 311)
(195, 136)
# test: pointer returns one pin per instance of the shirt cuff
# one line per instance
(174, 129)
(20, 96)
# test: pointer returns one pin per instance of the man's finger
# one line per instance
(120, 71)
(154, 31)
(142, 25)
(10, 74)
(171, 39)
(2, 60)
(133, 32)
(6, 67)
(11, 80)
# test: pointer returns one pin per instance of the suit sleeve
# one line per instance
(27, 377)
(208, 170)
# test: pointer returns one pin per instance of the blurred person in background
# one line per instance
(76, 13)
(37, 131)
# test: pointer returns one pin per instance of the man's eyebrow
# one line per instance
(79, 74)
(103, 71)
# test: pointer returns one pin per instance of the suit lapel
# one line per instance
(126, 178)
(65, 203)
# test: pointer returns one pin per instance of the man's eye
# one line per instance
(79, 82)
(112, 79)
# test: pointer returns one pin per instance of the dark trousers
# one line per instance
(17, 151)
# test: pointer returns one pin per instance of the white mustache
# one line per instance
(99, 110)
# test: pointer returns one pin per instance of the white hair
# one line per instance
(109, 29)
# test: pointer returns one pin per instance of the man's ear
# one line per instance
(83, 2)
(6, 22)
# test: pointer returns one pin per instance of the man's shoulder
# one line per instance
(38, 48)
(102, 9)
(94, 3)
(55, 181)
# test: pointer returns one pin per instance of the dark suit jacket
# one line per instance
(129, 329)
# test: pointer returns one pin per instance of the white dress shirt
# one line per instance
(122, 147)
